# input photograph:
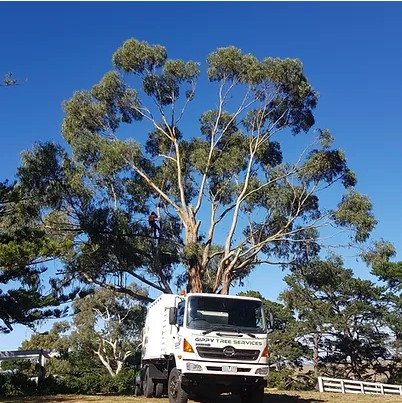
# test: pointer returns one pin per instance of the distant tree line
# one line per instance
(336, 324)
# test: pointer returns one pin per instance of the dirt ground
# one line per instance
(271, 396)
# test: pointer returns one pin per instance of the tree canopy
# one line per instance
(341, 317)
(226, 197)
(25, 247)
(109, 326)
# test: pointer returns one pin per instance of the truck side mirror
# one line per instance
(172, 315)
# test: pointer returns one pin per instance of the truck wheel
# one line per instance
(175, 392)
(148, 385)
(159, 390)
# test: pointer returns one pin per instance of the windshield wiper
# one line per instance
(213, 329)
(251, 335)
(229, 329)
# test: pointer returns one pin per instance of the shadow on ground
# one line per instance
(271, 397)
(34, 399)
(274, 398)
(48, 399)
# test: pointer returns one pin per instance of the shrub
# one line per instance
(16, 384)
(54, 386)
(19, 384)
(87, 384)
(91, 383)
(124, 381)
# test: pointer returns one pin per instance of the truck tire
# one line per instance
(175, 392)
(159, 390)
(148, 385)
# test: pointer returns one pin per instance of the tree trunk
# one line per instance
(195, 269)
(105, 363)
(225, 284)
(315, 353)
(120, 364)
(194, 278)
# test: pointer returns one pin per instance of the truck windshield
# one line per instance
(225, 314)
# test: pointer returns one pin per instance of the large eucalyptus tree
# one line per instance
(227, 199)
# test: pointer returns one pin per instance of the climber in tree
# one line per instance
(152, 222)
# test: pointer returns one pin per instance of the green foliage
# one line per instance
(355, 210)
(109, 326)
(135, 56)
(106, 216)
(21, 366)
(24, 247)
(122, 383)
(395, 372)
(142, 59)
(341, 318)
(16, 384)
(92, 383)
(327, 166)
(88, 384)
(379, 258)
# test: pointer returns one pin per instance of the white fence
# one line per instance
(347, 386)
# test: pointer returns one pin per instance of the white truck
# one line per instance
(197, 346)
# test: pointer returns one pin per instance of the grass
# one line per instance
(271, 396)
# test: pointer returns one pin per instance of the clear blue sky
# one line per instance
(351, 53)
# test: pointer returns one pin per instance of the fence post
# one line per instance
(321, 385)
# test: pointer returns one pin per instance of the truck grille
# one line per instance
(232, 354)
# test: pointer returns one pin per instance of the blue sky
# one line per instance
(351, 54)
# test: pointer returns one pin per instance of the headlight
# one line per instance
(193, 367)
(262, 371)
